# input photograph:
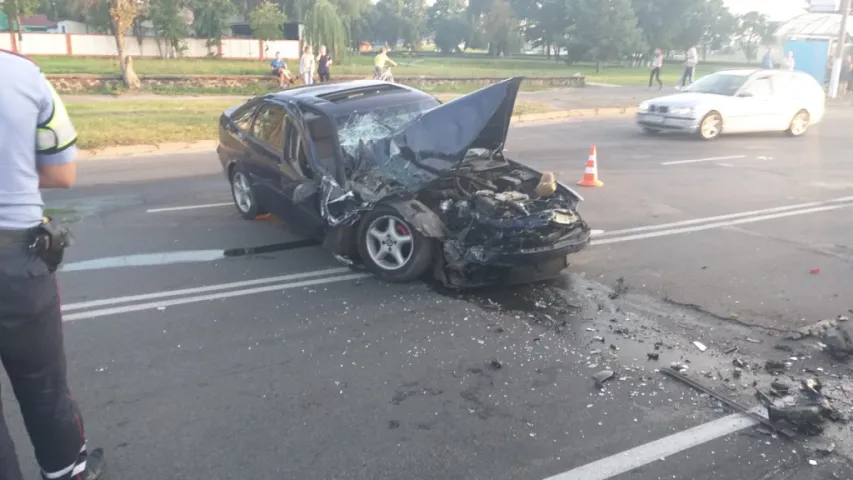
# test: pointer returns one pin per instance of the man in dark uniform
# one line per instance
(36, 151)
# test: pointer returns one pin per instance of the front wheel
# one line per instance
(799, 124)
(391, 248)
(711, 126)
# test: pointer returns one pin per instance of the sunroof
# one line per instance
(360, 92)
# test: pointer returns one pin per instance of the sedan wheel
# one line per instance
(711, 126)
(391, 248)
(800, 124)
(244, 196)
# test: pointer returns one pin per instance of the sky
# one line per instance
(775, 9)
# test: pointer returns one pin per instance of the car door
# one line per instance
(298, 180)
(233, 135)
(265, 146)
(754, 107)
(790, 98)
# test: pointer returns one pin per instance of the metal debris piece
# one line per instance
(602, 377)
(825, 449)
(614, 347)
(726, 400)
(806, 419)
(495, 363)
(838, 343)
(774, 366)
(730, 350)
(653, 356)
(843, 318)
(701, 346)
(598, 339)
(752, 340)
(738, 363)
(678, 367)
(784, 348)
(780, 387)
(812, 463)
(812, 387)
(737, 372)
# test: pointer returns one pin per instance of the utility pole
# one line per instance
(839, 50)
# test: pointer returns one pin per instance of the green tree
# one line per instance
(753, 30)
(14, 9)
(451, 32)
(388, 21)
(604, 30)
(122, 15)
(414, 16)
(546, 20)
(323, 26)
(662, 21)
(169, 24)
(267, 21)
(211, 19)
(444, 9)
(501, 28)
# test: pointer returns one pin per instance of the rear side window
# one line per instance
(243, 116)
(269, 126)
(760, 87)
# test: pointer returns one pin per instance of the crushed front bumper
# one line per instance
(504, 268)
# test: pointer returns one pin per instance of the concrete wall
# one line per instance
(92, 45)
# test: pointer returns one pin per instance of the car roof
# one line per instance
(335, 99)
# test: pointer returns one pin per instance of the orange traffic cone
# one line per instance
(590, 175)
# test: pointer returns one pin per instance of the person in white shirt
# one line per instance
(689, 67)
(788, 62)
(657, 64)
(307, 64)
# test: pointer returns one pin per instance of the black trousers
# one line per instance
(655, 74)
(32, 352)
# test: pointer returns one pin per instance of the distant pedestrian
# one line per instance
(279, 70)
(690, 62)
(788, 62)
(323, 62)
(767, 61)
(657, 65)
(307, 65)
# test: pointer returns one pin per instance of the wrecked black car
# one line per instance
(390, 177)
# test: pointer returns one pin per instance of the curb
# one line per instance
(210, 145)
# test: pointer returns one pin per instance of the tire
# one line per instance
(799, 124)
(243, 195)
(711, 133)
(375, 229)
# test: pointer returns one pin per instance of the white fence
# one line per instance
(88, 45)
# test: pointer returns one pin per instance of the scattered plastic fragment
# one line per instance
(700, 346)
(738, 363)
(812, 463)
(752, 340)
(602, 377)
(495, 363)
(737, 372)
(653, 356)
(814, 271)
(774, 366)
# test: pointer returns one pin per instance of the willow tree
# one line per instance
(323, 26)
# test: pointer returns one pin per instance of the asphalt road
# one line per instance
(286, 364)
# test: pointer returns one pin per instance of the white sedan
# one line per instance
(738, 101)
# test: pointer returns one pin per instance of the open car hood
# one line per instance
(477, 120)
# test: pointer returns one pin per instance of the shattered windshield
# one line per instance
(367, 126)
(718, 84)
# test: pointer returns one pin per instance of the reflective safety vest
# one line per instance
(57, 133)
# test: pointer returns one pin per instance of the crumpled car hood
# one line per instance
(477, 120)
(436, 141)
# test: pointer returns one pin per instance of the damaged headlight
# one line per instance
(564, 217)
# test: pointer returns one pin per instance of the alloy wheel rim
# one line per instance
(242, 193)
(711, 126)
(389, 243)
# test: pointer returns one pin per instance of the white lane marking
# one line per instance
(699, 160)
(205, 298)
(726, 217)
(645, 454)
(195, 290)
(188, 207)
(596, 233)
(675, 231)
(145, 260)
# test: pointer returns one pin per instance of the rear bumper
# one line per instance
(668, 123)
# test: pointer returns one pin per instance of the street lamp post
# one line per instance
(839, 50)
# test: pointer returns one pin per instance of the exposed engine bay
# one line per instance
(510, 206)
